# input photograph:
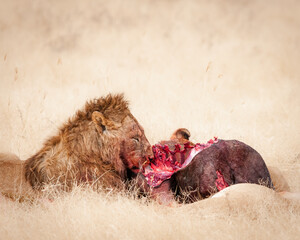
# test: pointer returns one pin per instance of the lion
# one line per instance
(99, 145)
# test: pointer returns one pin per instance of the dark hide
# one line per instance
(238, 162)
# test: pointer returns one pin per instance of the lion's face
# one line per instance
(135, 148)
(128, 138)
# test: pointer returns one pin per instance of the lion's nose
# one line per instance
(149, 152)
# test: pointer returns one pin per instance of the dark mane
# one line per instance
(112, 106)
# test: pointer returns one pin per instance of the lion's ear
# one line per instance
(181, 133)
(103, 123)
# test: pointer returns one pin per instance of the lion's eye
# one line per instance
(136, 139)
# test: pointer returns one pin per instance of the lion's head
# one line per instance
(103, 140)
(117, 125)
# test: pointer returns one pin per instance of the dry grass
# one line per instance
(225, 68)
(252, 212)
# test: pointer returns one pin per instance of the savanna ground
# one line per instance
(219, 68)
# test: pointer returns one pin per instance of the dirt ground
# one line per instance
(219, 68)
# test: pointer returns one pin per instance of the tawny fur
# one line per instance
(182, 135)
(12, 177)
(97, 145)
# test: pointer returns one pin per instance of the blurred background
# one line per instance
(219, 68)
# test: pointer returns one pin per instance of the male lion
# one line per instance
(98, 145)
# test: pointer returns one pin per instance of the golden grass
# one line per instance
(224, 68)
(251, 212)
